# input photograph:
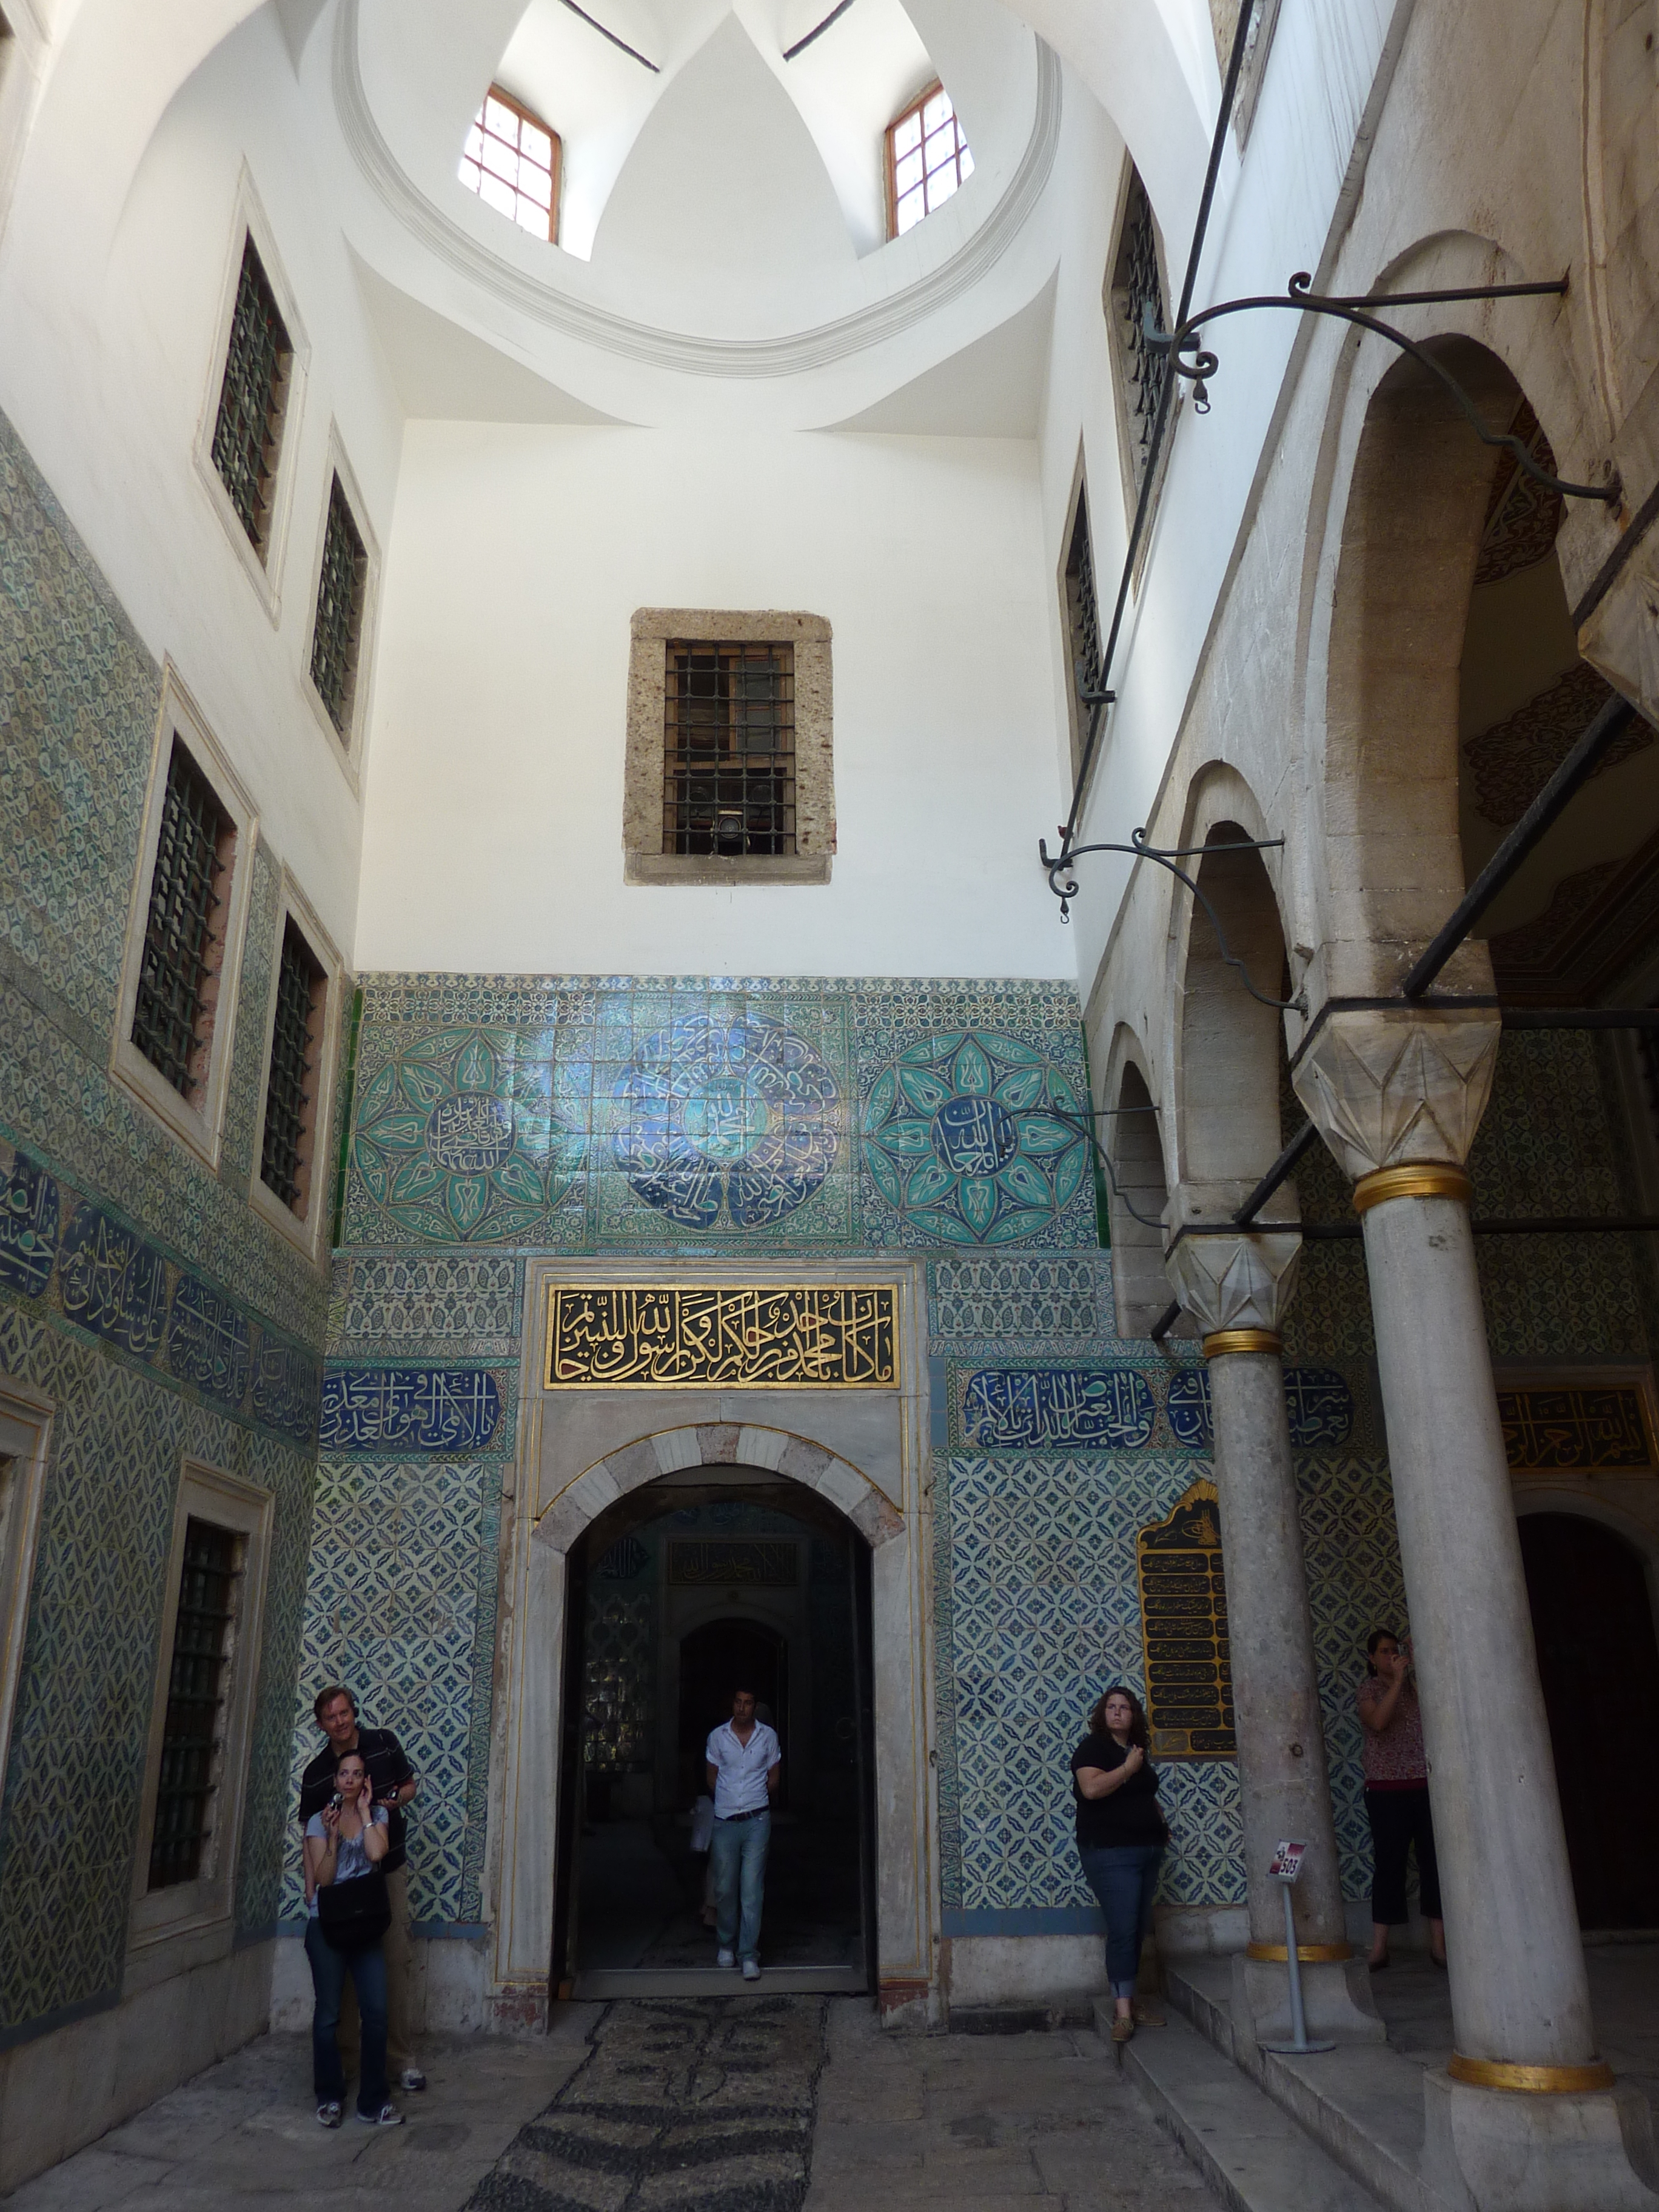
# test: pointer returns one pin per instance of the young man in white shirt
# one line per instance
(744, 1760)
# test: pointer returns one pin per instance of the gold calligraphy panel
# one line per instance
(1578, 1421)
(802, 1336)
(1183, 1616)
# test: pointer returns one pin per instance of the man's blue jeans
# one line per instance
(1123, 1876)
(329, 1969)
(737, 1854)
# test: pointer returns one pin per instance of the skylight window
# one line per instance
(928, 160)
(512, 162)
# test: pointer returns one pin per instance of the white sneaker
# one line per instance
(752, 1970)
(411, 2078)
(726, 1957)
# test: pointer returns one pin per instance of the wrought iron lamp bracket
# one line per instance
(1166, 856)
(1198, 363)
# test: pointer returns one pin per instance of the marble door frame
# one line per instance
(865, 1451)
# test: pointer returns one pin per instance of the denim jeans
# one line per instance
(738, 1855)
(329, 1969)
(1123, 1877)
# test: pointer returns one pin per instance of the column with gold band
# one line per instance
(1398, 1095)
(1237, 1288)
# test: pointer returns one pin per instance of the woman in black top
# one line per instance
(1121, 1837)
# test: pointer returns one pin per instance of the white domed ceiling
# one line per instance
(723, 168)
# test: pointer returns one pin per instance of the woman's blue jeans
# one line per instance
(329, 1969)
(737, 1854)
(1123, 1876)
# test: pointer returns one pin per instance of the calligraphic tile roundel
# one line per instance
(965, 1134)
(739, 1118)
(456, 1137)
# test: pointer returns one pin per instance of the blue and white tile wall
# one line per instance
(138, 1289)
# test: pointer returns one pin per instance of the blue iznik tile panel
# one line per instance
(89, 1664)
(699, 1113)
(400, 1605)
(138, 1289)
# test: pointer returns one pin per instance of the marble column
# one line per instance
(1237, 1288)
(1527, 2116)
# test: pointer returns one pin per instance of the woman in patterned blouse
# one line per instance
(1397, 1793)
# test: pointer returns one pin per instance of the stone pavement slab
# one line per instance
(671, 2105)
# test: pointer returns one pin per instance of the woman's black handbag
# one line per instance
(354, 1914)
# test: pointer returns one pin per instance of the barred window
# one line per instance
(511, 162)
(184, 931)
(291, 1084)
(336, 635)
(1136, 294)
(928, 160)
(729, 749)
(1082, 607)
(247, 435)
(193, 1734)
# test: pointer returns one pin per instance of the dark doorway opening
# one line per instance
(685, 1591)
(716, 1659)
(1592, 1619)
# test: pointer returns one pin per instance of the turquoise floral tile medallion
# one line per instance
(457, 1137)
(976, 1138)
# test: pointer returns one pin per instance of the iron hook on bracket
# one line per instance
(1166, 856)
(1198, 363)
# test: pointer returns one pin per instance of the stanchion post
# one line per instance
(1287, 1866)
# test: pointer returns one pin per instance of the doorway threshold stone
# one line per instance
(721, 1981)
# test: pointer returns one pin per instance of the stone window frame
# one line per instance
(190, 1922)
(308, 1231)
(810, 635)
(263, 566)
(346, 746)
(1123, 409)
(200, 1126)
(25, 1419)
(1076, 714)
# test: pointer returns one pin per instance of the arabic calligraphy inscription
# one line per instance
(805, 1336)
(1057, 1409)
(1183, 1615)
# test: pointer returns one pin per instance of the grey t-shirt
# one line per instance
(350, 1859)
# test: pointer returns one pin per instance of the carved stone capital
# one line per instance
(1620, 637)
(1389, 1085)
(1243, 1280)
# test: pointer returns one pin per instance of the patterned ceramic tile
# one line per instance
(76, 1765)
(391, 1610)
(79, 695)
(419, 1302)
(1042, 1613)
(1009, 1295)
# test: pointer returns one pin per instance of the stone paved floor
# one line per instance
(679, 2105)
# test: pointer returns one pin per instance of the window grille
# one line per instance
(286, 1154)
(193, 1731)
(171, 1014)
(512, 162)
(247, 435)
(928, 160)
(1082, 608)
(729, 749)
(338, 631)
(1137, 289)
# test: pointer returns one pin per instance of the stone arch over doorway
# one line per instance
(863, 1453)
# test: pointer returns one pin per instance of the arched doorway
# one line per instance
(706, 1581)
(1592, 1619)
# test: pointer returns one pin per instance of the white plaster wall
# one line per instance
(492, 838)
(111, 315)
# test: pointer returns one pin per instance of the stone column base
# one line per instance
(1336, 1996)
(1505, 2150)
